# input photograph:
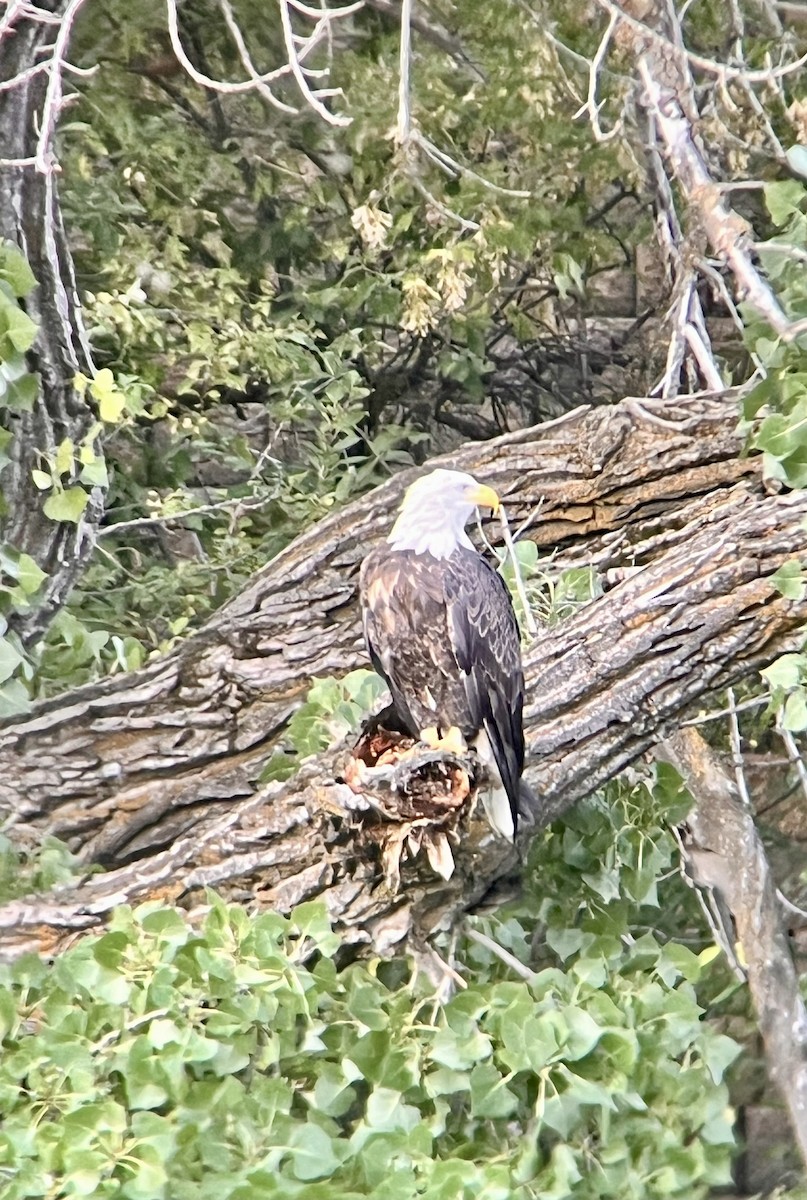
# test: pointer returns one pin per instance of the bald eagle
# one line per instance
(440, 629)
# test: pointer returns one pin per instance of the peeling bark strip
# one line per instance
(154, 773)
(730, 848)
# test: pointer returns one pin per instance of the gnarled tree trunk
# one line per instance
(154, 774)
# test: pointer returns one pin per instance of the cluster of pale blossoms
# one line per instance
(423, 304)
(453, 280)
(798, 118)
(372, 225)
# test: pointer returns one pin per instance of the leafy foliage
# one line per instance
(241, 1058)
(780, 399)
(291, 332)
(48, 865)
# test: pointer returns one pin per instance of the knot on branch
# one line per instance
(419, 795)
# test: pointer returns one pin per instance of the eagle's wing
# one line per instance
(404, 618)
(485, 641)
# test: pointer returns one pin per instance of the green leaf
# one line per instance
(782, 434)
(797, 160)
(19, 387)
(719, 1053)
(95, 474)
(789, 580)
(312, 920)
(583, 1033)
(10, 659)
(42, 479)
(14, 698)
(67, 505)
(111, 406)
(490, 1096)
(30, 575)
(783, 200)
(794, 716)
(386, 1110)
(17, 330)
(63, 460)
(111, 400)
(14, 269)
(313, 1154)
(785, 672)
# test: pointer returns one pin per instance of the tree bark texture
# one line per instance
(154, 774)
(31, 219)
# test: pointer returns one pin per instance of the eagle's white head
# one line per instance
(435, 510)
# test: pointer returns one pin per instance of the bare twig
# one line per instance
(721, 70)
(737, 750)
(409, 139)
(404, 123)
(314, 96)
(237, 36)
(55, 100)
(297, 50)
(482, 939)
(529, 619)
(592, 107)
(717, 714)
(794, 757)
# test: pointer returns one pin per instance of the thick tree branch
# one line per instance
(155, 774)
(731, 858)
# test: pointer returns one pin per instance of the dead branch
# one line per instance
(731, 859)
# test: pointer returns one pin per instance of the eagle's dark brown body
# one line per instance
(443, 634)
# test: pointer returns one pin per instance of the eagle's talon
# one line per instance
(430, 736)
(452, 742)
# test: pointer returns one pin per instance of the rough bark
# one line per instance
(730, 857)
(154, 774)
(30, 217)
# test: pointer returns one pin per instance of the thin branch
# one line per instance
(737, 750)
(312, 96)
(207, 81)
(408, 138)
(721, 70)
(718, 714)
(298, 47)
(454, 168)
(794, 757)
(203, 510)
(592, 107)
(482, 939)
(54, 100)
(404, 123)
(529, 619)
(237, 36)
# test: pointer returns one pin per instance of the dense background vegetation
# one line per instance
(283, 311)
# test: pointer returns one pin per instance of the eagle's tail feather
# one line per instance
(496, 804)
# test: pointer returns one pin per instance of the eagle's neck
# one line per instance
(424, 536)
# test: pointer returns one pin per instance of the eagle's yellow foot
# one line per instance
(453, 741)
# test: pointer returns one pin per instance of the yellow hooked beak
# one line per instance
(484, 497)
